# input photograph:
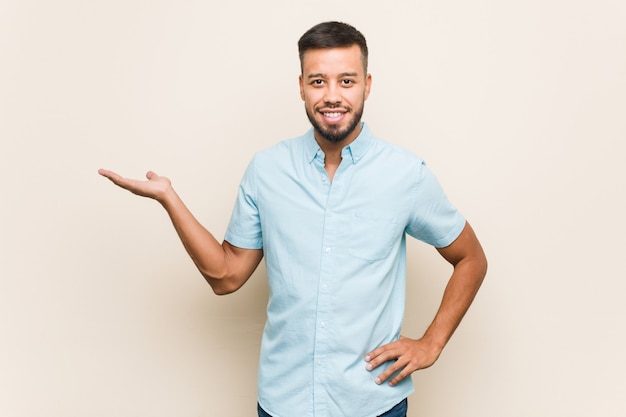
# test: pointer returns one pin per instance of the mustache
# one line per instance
(333, 107)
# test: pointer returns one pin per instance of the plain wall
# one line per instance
(519, 107)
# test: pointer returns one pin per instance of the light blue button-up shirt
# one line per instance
(336, 263)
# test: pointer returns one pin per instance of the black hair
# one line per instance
(332, 35)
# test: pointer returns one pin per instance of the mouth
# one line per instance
(332, 116)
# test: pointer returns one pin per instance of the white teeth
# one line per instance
(332, 115)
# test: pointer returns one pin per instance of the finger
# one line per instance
(374, 362)
(126, 183)
(116, 178)
(381, 355)
(379, 351)
(112, 176)
(397, 366)
(403, 374)
(106, 173)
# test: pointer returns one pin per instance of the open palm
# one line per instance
(154, 187)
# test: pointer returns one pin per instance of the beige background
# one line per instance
(519, 107)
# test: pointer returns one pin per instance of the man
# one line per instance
(330, 211)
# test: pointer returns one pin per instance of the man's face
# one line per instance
(334, 88)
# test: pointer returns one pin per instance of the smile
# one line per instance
(332, 116)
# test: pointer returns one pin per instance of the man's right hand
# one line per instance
(155, 187)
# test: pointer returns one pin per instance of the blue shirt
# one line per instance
(336, 264)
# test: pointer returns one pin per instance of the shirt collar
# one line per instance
(356, 150)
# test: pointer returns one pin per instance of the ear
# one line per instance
(368, 86)
(301, 87)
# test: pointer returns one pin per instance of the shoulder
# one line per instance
(283, 158)
(280, 150)
(395, 155)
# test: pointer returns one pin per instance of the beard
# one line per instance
(334, 133)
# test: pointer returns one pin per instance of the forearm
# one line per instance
(205, 251)
(224, 267)
(460, 291)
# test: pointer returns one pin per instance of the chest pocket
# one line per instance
(372, 234)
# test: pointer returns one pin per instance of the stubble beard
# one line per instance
(334, 133)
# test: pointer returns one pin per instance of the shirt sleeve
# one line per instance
(434, 219)
(244, 228)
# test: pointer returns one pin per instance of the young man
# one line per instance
(330, 211)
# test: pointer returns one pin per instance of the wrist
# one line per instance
(168, 197)
(435, 343)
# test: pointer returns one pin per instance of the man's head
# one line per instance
(334, 83)
(332, 35)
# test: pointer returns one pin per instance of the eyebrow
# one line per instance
(343, 74)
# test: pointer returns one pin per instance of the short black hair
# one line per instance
(332, 35)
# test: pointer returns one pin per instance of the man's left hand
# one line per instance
(409, 355)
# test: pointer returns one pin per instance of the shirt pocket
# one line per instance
(372, 234)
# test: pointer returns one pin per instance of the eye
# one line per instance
(347, 82)
(317, 82)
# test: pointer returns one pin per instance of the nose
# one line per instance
(332, 94)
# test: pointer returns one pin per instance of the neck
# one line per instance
(332, 150)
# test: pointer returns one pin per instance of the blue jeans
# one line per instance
(398, 411)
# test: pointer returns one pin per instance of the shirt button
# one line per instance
(323, 324)
(328, 250)
(325, 287)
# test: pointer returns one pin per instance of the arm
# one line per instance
(225, 267)
(470, 266)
